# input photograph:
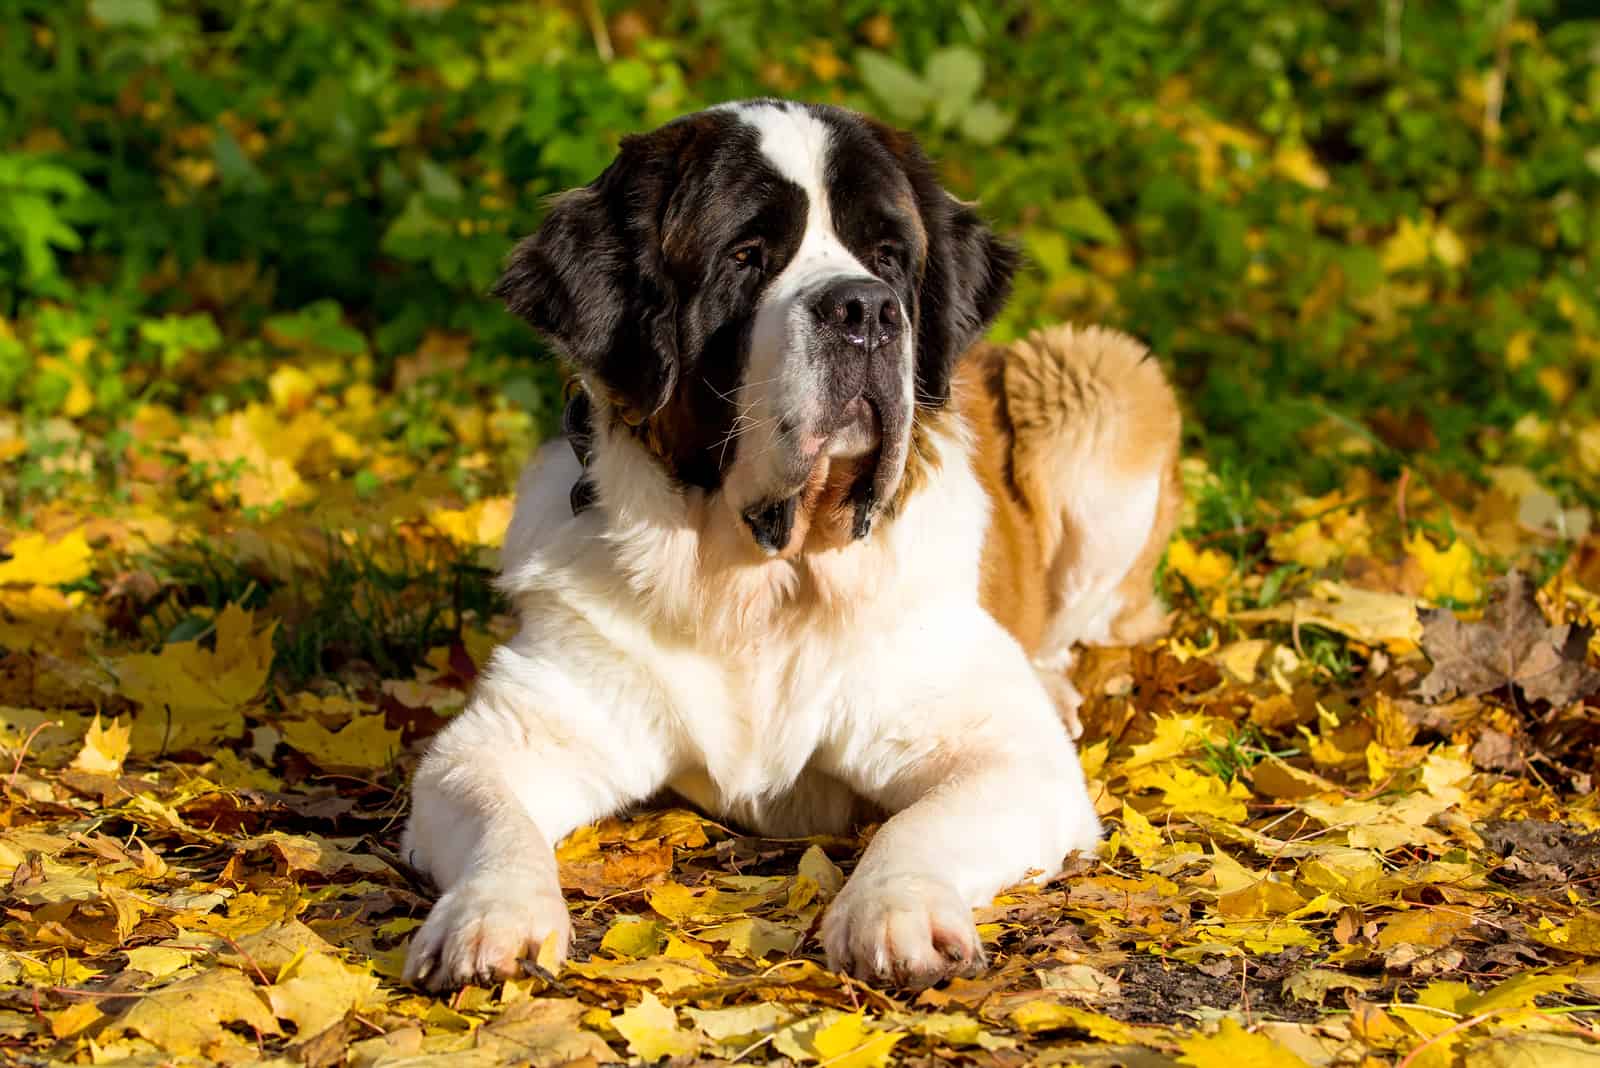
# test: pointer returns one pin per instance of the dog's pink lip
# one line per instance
(859, 432)
(856, 413)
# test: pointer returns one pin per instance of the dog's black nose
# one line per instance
(863, 311)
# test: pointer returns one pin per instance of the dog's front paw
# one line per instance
(902, 930)
(483, 930)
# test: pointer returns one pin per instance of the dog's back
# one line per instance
(1077, 435)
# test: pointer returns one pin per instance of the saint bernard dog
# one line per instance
(812, 554)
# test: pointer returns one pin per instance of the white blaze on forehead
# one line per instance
(784, 376)
(797, 144)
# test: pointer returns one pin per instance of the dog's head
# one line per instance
(767, 292)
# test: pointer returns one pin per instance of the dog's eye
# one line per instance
(887, 254)
(748, 256)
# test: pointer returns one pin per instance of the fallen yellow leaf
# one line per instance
(848, 1043)
(186, 1016)
(363, 743)
(1452, 573)
(104, 748)
(1233, 1046)
(1204, 568)
(37, 561)
(191, 696)
(652, 1030)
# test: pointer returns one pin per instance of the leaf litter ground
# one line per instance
(1349, 800)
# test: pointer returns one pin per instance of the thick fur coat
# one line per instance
(812, 555)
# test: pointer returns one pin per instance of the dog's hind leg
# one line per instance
(1095, 437)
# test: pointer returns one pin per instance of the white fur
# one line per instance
(659, 648)
(656, 650)
(781, 377)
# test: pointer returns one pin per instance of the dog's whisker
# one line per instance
(735, 432)
(728, 396)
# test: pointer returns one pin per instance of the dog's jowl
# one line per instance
(831, 554)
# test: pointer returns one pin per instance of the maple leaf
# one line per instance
(849, 1043)
(1205, 568)
(1232, 1046)
(315, 990)
(634, 936)
(1044, 1015)
(1511, 646)
(75, 1018)
(1451, 573)
(543, 1032)
(184, 1017)
(191, 696)
(1138, 835)
(740, 1026)
(652, 1030)
(104, 748)
(482, 522)
(38, 561)
(1367, 616)
(755, 937)
(364, 742)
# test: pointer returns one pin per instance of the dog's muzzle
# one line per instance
(854, 345)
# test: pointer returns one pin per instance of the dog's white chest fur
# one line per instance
(764, 680)
(750, 295)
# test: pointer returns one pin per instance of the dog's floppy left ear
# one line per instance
(966, 276)
(591, 279)
(964, 285)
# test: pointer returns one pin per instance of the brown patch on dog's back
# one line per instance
(1012, 584)
(1049, 412)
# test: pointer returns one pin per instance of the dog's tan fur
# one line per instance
(782, 656)
(1060, 400)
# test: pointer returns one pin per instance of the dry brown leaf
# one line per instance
(1512, 646)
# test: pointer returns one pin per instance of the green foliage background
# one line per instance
(1317, 213)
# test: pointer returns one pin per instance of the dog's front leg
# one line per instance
(993, 795)
(542, 748)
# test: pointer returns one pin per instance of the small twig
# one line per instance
(1589, 1032)
(166, 732)
(752, 1047)
(1494, 88)
(1392, 11)
(1400, 497)
(415, 876)
(367, 1023)
(1471, 1021)
(237, 948)
(79, 992)
(599, 30)
(1244, 990)
(16, 769)
(356, 778)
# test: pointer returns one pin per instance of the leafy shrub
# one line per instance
(1380, 213)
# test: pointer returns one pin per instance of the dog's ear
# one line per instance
(592, 280)
(966, 277)
(964, 286)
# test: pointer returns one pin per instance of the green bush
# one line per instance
(1314, 212)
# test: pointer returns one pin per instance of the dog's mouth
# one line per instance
(839, 489)
(859, 432)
